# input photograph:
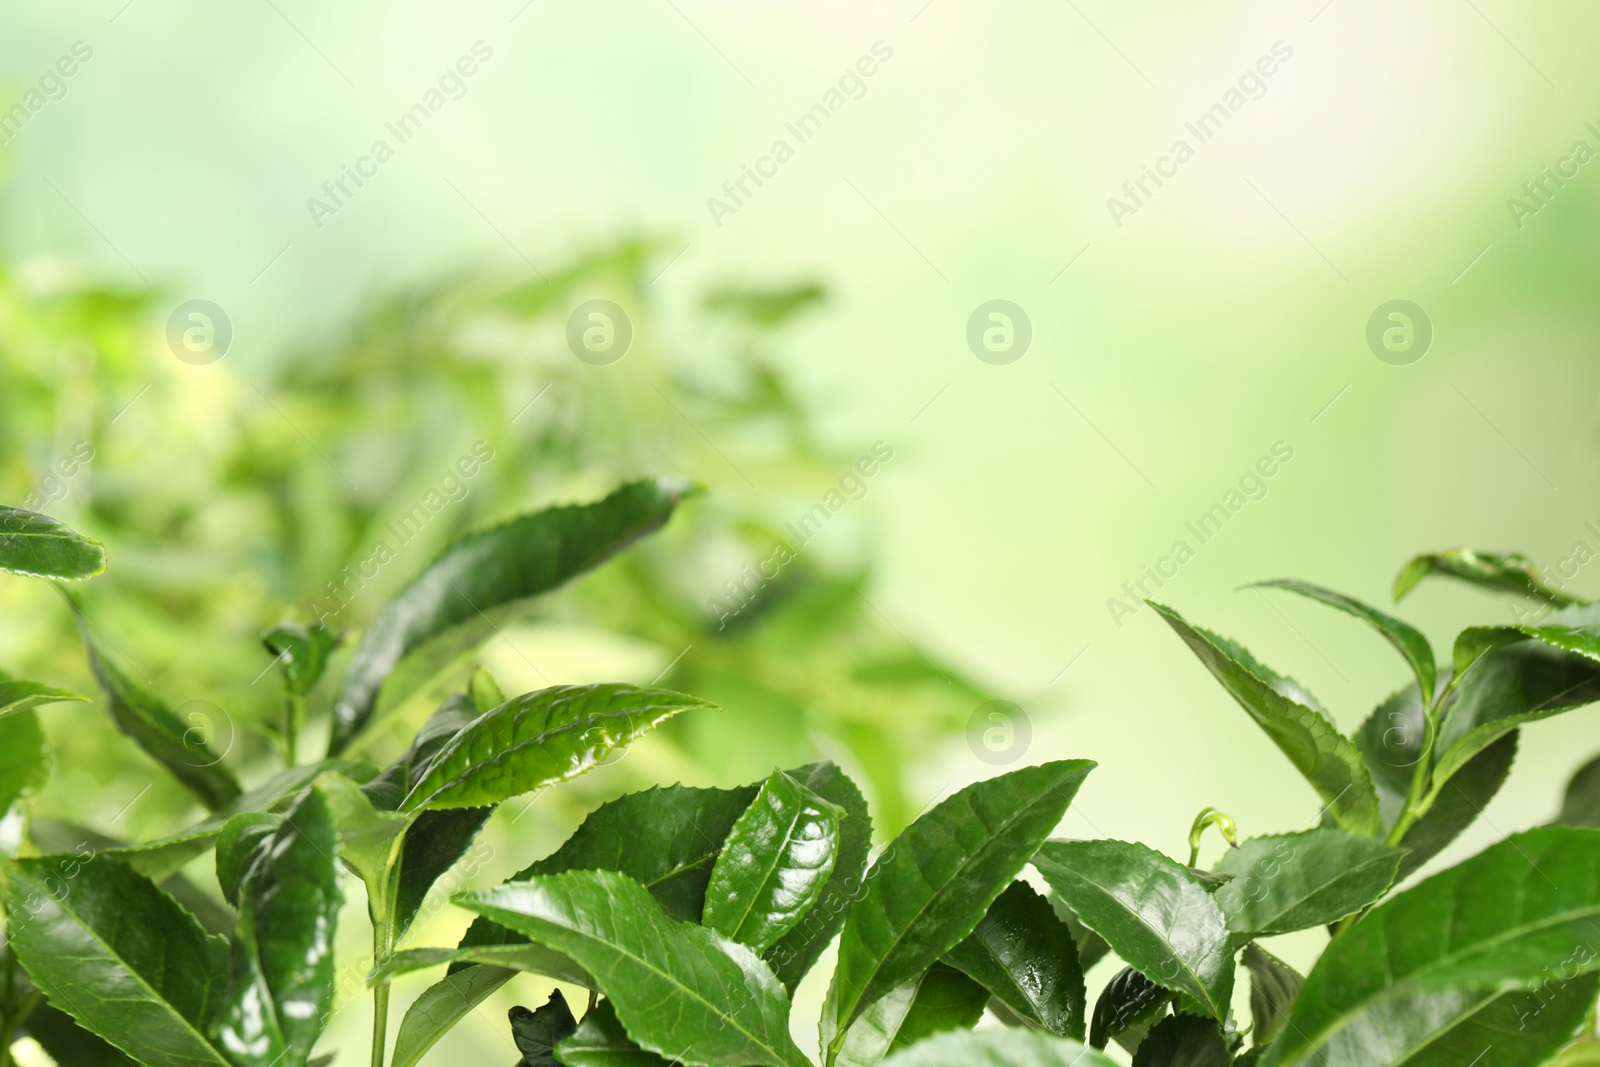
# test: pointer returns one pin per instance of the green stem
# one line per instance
(294, 713)
(13, 1025)
(380, 1022)
(382, 912)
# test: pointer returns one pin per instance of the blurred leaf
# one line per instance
(24, 761)
(17, 695)
(40, 547)
(1505, 571)
(765, 307)
(303, 653)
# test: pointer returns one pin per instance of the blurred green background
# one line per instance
(776, 342)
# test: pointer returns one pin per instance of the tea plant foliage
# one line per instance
(691, 915)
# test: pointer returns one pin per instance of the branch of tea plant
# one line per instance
(1421, 795)
(382, 948)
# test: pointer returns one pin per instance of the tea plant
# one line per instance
(691, 915)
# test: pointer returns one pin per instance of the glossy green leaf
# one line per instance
(600, 1041)
(675, 986)
(539, 739)
(237, 847)
(302, 652)
(1289, 882)
(797, 952)
(522, 558)
(41, 547)
(773, 865)
(17, 695)
(1026, 957)
(439, 1008)
(433, 845)
(68, 1043)
(1502, 918)
(1274, 985)
(283, 967)
(24, 760)
(536, 1033)
(1510, 1028)
(1327, 759)
(120, 956)
(940, 998)
(997, 1048)
(389, 788)
(521, 955)
(1581, 804)
(1183, 1041)
(180, 747)
(1128, 1007)
(1152, 910)
(934, 883)
(1406, 639)
(1509, 572)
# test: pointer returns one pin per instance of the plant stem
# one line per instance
(380, 1022)
(382, 912)
(294, 713)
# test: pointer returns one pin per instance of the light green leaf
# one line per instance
(17, 695)
(41, 547)
(120, 956)
(1328, 760)
(522, 558)
(1406, 639)
(302, 652)
(439, 1008)
(1274, 985)
(1027, 958)
(539, 739)
(1502, 918)
(940, 998)
(1509, 572)
(675, 986)
(24, 761)
(773, 866)
(1152, 910)
(934, 883)
(1289, 882)
(997, 1048)
(513, 956)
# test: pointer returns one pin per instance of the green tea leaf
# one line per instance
(120, 956)
(154, 727)
(521, 955)
(237, 847)
(24, 761)
(1328, 760)
(1509, 572)
(539, 739)
(773, 866)
(17, 695)
(1092, 948)
(1027, 958)
(1128, 1007)
(1406, 639)
(302, 652)
(433, 845)
(940, 998)
(440, 1007)
(389, 788)
(485, 692)
(1183, 1041)
(997, 1048)
(1581, 804)
(536, 1033)
(675, 986)
(600, 1041)
(289, 901)
(1154, 913)
(40, 547)
(1502, 918)
(1274, 985)
(936, 880)
(1291, 882)
(67, 1042)
(1510, 1028)
(798, 951)
(529, 555)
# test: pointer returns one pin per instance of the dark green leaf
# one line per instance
(537, 1032)
(940, 998)
(41, 547)
(67, 1042)
(773, 865)
(1092, 948)
(1291, 882)
(237, 847)
(1506, 571)
(1027, 958)
(181, 749)
(1391, 742)
(600, 1041)
(529, 555)
(302, 652)
(1183, 1041)
(18, 696)
(539, 739)
(1130, 1004)
(1328, 760)
(1406, 639)
(440, 1007)
(24, 762)
(1581, 805)
(1273, 988)
(997, 1048)
(282, 968)
(669, 982)
(119, 956)
(936, 880)
(1154, 913)
(389, 789)
(800, 948)
(1502, 918)
(432, 846)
